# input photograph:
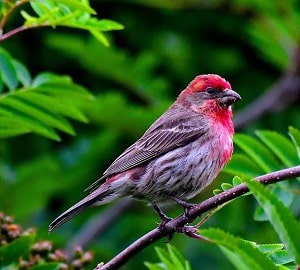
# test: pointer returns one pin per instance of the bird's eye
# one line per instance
(211, 90)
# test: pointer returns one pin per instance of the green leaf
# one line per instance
(11, 127)
(77, 5)
(178, 259)
(152, 266)
(280, 146)
(65, 91)
(39, 8)
(242, 254)
(100, 36)
(236, 181)
(47, 77)
(295, 135)
(18, 248)
(283, 193)
(44, 116)
(22, 73)
(61, 106)
(69, 13)
(28, 122)
(171, 259)
(164, 257)
(217, 191)
(243, 166)
(267, 248)
(258, 152)
(226, 186)
(281, 218)
(281, 257)
(7, 70)
(42, 106)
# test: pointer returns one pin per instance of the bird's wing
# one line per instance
(170, 131)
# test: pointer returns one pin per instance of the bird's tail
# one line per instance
(102, 195)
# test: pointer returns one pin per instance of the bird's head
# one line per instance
(209, 92)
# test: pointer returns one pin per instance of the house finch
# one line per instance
(177, 157)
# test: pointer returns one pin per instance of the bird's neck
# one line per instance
(218, 114)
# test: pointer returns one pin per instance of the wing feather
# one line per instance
(170, 131)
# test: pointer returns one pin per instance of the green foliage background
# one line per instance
(163, 46)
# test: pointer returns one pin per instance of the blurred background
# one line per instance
(165, 44)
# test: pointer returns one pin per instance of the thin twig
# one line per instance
(10, 11)
(177, 224)
(20, 29)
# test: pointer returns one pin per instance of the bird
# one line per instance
(179, 155)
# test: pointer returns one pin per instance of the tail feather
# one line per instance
(100, 196)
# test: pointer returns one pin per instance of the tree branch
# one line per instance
(177, 224)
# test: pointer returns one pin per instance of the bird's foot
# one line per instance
(186, 206)
(164, 220)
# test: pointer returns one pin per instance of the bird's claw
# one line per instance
(162, 227)
(186, 206)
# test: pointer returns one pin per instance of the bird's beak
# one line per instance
(229, 97)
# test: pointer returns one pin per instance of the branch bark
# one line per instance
(177, 224)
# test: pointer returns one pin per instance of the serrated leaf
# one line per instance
(281, 218)
(295, 135)
(258, 152)
(243, 254)
(280, 257)
(8, 73)
(280, 146)
(267, 248)
(18, 248)
(282, 192)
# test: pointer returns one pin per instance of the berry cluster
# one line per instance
(41, 252)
